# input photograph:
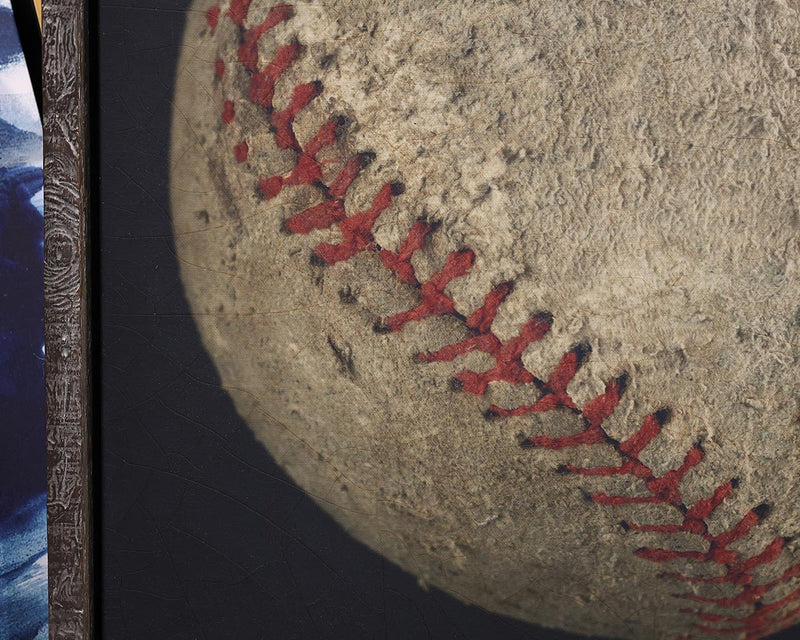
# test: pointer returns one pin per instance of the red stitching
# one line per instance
(212, 18)
(400, 262)
(357, 236)
(228, 111)
(241, 150)
(238, 11)
(262, 84)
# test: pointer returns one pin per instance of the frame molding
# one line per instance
(67, 359)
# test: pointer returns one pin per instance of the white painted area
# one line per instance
(37, 200)
(17, 104)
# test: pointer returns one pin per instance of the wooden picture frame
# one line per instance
(67, 335)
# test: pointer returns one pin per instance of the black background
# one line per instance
(201, 535)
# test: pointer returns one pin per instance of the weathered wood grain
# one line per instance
(66, 319)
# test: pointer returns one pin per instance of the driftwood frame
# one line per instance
(67, 360)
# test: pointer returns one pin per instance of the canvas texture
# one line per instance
(511, 289)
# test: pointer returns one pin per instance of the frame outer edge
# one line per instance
(67, 346)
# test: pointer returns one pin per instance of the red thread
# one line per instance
(726, 564)
(481, 338)
(228, 112)
(248, 51)
(555, 393)
(331, 210)
(508, 365)
(262, 84)
(212, 18)
(754, 624)
(241, 150)
(283, 121)
(307, 170)
(219, 67)
(356, 231)
(400, 262)
(238, 11)
(434, 301)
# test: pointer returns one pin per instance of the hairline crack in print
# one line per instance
(712, 617)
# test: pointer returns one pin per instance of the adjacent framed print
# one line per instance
(23, 508)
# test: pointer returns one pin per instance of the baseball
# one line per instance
(511, 289)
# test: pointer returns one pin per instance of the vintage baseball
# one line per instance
(511, 288)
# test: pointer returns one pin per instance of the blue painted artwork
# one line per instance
(23, 527)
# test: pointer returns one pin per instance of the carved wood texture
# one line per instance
(66, 319)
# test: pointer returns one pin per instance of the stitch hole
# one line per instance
(663, 416)
(317, 260)
(612, 441)
(366, 158)
(527, 443)
(347, 295)
(762, 510)
(326, 61)
(456, 384)
(341, 123)
(621, 382)
(285, 230)
(582, 351)
(381, 327)
(543, 316)
(433, 225)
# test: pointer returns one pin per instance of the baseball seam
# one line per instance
(713, 616)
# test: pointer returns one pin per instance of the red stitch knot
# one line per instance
(434, 302)
(356, 231)
(508, 359)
